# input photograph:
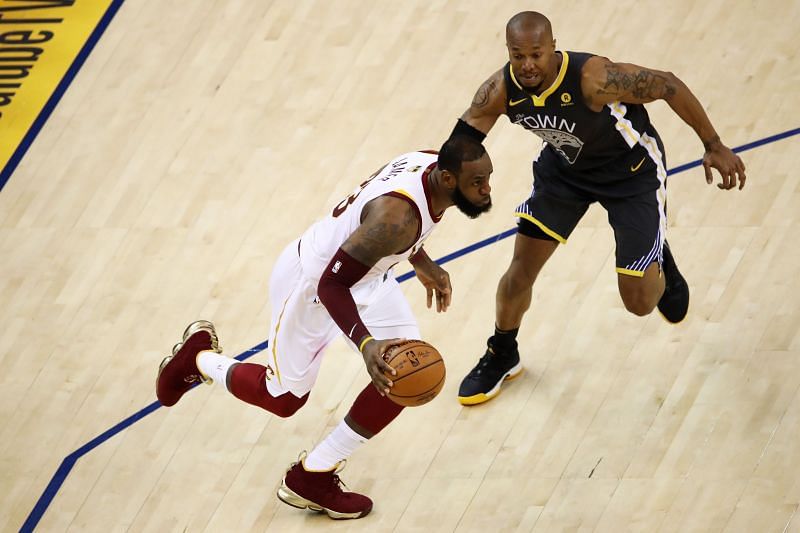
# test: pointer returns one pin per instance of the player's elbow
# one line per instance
(671, 85)
(331, 293)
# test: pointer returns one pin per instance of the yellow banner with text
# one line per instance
(42, 44)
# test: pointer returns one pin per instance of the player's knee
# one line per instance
(287, 404)
(640, 303)
(513, 284)
(285, 411)
(520, 274)
(639, 308)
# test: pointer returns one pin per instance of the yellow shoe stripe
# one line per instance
(475, 399)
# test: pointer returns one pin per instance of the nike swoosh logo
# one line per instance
(634, 169)
(516, 102)
(351, 331)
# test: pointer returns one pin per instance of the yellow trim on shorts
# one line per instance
(628, 272)
(542, 227)
(275, 343)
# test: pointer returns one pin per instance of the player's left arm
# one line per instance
(434, 278)
(388, 226)
(604, 82)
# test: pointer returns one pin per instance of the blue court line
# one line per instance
(44, 114)
(69, 462)
(738, 149)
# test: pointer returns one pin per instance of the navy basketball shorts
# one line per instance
(639, 221)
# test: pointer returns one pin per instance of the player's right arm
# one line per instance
(487, 105)
(604, 82)
(388, 226)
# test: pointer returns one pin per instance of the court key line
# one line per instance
(69, 461)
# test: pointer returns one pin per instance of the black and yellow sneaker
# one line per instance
(674, 303)
(484, 381)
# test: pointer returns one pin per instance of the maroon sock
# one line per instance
(248, 383)
(372, 411)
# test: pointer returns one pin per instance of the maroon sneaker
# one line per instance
(178, 372)
(321, 491)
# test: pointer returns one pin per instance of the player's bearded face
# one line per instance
(467, 207)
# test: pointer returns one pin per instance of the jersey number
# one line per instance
(342, 206)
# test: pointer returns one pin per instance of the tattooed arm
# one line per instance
(488, 103)
(604, 82)
(388, 226)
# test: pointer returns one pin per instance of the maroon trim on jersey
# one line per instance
(395, 194)
(434, 152)
(435, 217)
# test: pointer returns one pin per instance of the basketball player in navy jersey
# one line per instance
(338, 279)
(599, 147)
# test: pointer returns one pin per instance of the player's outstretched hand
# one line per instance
(436, 281)
(373, 357)
(729, 165)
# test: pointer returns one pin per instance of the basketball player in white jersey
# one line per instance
(338, 278)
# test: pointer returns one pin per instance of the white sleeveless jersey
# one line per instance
(404, 177)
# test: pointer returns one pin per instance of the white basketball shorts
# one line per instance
(301, 327)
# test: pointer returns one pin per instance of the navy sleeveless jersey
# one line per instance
(614, 152)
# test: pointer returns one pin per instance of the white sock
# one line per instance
(215, 366)
(339, 445)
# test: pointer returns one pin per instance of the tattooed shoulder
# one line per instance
(388, 236)
(485, 92)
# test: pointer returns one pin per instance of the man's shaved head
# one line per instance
(528, 22)
(532, 51)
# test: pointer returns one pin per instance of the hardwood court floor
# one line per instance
(200, 137)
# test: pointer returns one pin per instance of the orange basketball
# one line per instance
(420, 372)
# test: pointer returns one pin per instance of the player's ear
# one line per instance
(554, 44)
(449, 180)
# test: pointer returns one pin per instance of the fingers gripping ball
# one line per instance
(420, 372)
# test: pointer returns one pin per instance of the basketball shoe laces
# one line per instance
(485, 363)
(336, 483)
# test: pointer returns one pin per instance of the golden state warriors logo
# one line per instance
(566, 99)
(556, 131)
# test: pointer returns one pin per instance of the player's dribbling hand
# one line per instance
(729, 165)
(376, 366)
